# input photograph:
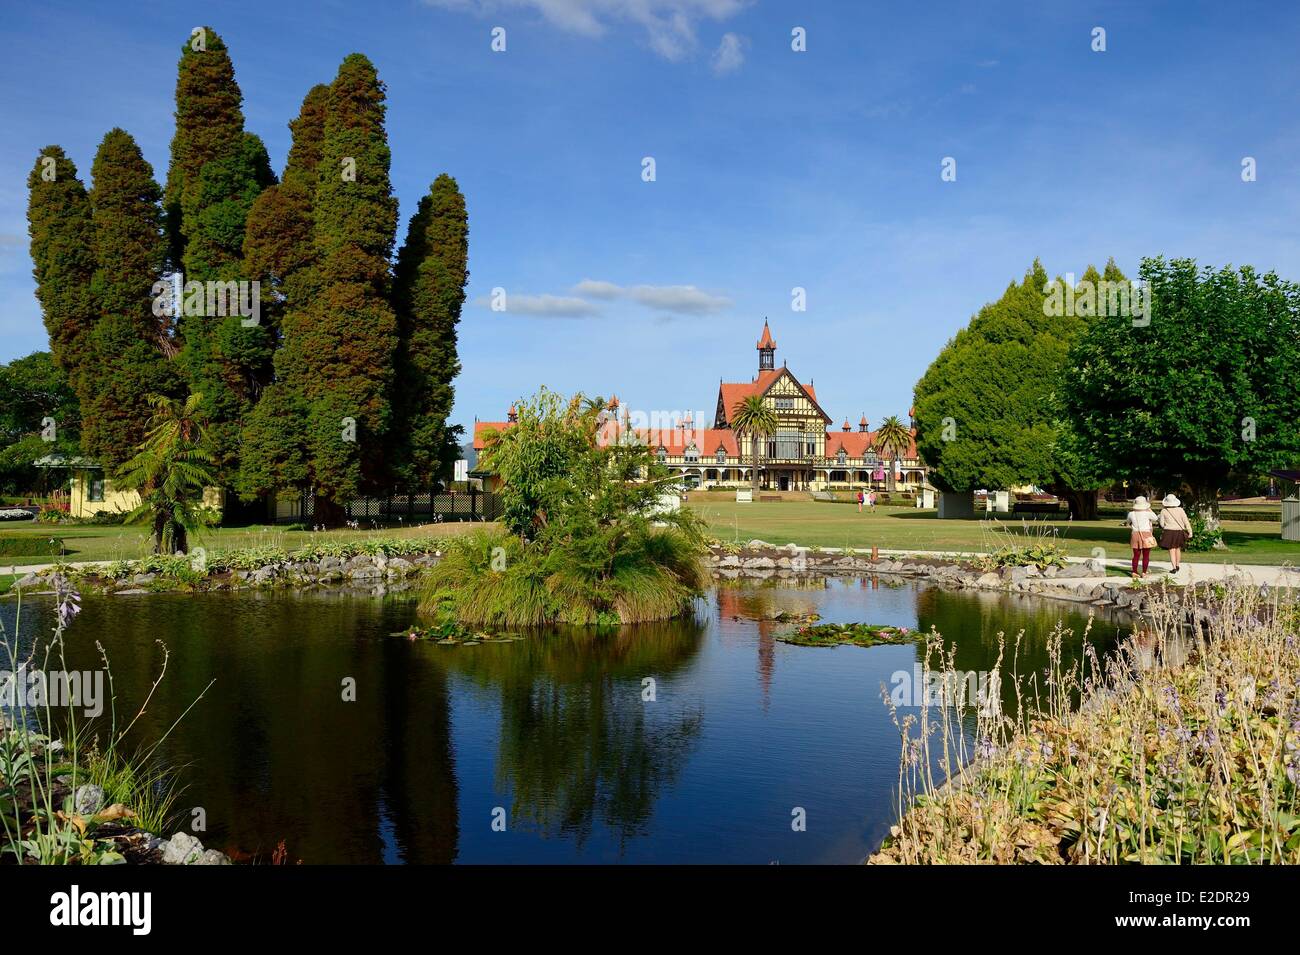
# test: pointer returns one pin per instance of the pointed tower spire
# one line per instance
(766, 350)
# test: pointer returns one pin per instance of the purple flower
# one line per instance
(68, 601)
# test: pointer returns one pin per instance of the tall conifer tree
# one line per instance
(63, 255)
(335, 361)
(126, 361)
(429, 290)
(209, 123)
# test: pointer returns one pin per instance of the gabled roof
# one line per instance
(732, 393)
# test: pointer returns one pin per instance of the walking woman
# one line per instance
(1140, 520)
(1175, 529)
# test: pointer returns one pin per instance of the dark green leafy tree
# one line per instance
(39, 415)
(63, 256)
(1204, 388)
(987, 408)
(429, 290)
(125, 348)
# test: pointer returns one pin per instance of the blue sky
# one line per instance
(775, 169)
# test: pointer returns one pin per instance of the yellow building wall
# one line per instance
(120, 502)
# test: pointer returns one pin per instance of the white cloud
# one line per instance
(546, 306)
(682, 299)
(581, 302)
(730, 54)
(678, 299)
(591, 288)
(669, 24)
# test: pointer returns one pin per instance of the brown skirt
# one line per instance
(1171, 539)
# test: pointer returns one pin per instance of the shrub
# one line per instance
(31, 547)
(1203, 536)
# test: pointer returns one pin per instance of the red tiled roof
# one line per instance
(733, 392)
(857, 443)
(675, 442)
(481, 427)
(766, 341)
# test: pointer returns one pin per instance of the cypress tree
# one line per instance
(125, 357)
(226, 360)
(429, 290)
(334, 365)
(280, 251)
(62, 248)
(209, 123)
(217, 172)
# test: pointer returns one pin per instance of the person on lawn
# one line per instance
(1140, 521)
(1175, 529)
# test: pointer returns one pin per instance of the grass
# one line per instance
(1176, 750)
(817, 524)
(125, 542)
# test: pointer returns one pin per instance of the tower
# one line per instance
(766, 350)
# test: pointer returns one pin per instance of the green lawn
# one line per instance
(123, 542)
(818, 524)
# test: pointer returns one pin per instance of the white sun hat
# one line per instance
(1171, 501)
(1140, 503)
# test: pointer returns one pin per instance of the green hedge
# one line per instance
(31, 546)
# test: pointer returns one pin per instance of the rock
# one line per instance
(365, 572)
(988, 580)
(30, 580)
(731, 560)
(182, 849)
(759, 563)
(262, 575)
(330, 563)
(88, 799)
(757, 544)
(212, 857)
(1051, 570)
(400, 567)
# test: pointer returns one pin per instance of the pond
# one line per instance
(551, 738)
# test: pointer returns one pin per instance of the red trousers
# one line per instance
(1145, 554)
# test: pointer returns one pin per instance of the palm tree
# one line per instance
(750, 416)
(892, 439)
(170, 470)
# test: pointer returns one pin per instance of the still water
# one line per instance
(550, 734)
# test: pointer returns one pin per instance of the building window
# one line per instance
(662, 455)
(721, 456)
(692, 454)
(95, 489)
(812, 447)
(841, 457)
(784, 404)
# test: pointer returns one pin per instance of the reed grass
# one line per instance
(1180, 747)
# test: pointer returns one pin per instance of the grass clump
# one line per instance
(854, 634)
(1178, 749)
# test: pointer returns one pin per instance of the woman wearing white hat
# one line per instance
(1175, 529)
(1141, 519)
